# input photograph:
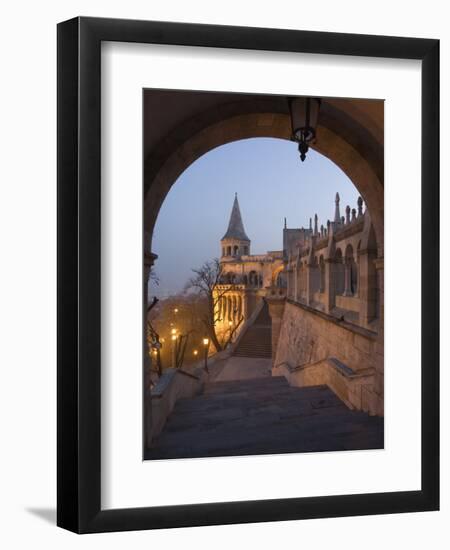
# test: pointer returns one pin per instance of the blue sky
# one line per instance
(271, 183)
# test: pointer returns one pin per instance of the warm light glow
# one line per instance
(205, 341)
(230, 323)
(174, 336)
(175, 310)
(174, 331)
(195, 352)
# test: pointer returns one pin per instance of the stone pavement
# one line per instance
(263, 416)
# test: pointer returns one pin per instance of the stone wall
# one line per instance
(307, 336)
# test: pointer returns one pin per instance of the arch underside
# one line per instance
(352, 141)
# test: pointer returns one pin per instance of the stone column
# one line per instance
(149, 259)
(347, 275)
(321, 277)
(310, 274)
(379, 266)
(379, 346)
(245, 311)
(330, 288)
(367, 286)
(276, 303)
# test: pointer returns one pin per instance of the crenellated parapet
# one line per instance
(331, 267)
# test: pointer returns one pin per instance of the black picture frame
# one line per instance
(79, 281)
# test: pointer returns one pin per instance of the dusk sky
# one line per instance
(271, 184)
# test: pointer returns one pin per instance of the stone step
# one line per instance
(264, 415)
(257, 341)
(251, 383)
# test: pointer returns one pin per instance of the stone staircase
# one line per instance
(257, 340)
(263, 416)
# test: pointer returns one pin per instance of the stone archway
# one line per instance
(180, 127)
(350, 134)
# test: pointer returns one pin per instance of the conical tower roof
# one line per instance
(235, 226)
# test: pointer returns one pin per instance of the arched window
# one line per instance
(228, 250)
(236, 250)
(245, 250)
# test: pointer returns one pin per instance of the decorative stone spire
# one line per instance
(310, 225)
(322, 234)
(285, 223)
(235, 226)
(360, 206)
(347, 214)
(342, 220)
(316, 221)
(337, 214)
(353, 214)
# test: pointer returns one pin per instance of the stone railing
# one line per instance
(354, 388)
(176, 384)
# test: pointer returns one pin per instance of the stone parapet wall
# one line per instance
(355, 389)
(307, 337)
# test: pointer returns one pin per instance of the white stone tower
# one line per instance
(235, 242)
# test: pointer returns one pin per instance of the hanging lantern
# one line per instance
(304, 115)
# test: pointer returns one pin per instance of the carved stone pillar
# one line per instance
(367, 287)
(347, 278)
(310, 274)
(379, 266)
(330, 287)
(321, 277)
(379, 346)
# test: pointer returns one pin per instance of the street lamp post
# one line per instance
(206, 346)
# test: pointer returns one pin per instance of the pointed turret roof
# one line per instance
(235, 226)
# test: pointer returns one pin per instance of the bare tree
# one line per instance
(207, 281)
